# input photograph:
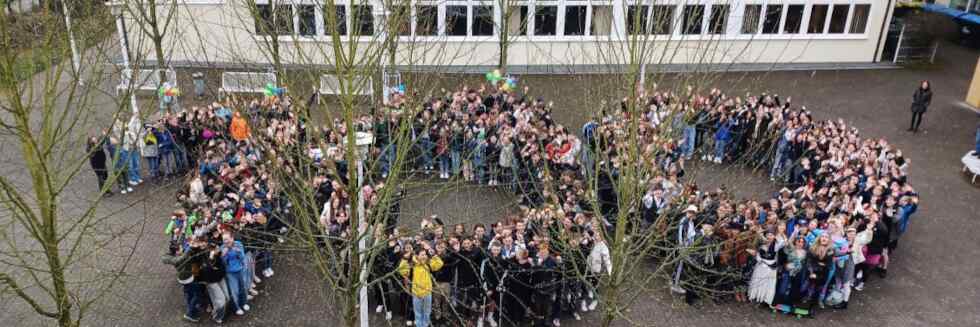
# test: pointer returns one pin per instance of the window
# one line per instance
(719, 19)
(363, 20)
(426, 20)
(401, 18)
(271, 20)
(859, 21)
(601, 20)
(517, 20)
(818, 19)
(636, 19)
(750, 20)
(663, 19)
(482, 20)
(456, 20)
(307, 20)
(794, 19)
(545, 20)
(575, 20)
(693, 19)
(838, 19)
(771, 24)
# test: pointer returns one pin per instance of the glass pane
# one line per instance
(818, 19)
(719, 19)
(307, 20)
(602, 20)
(516, 20)
(364, 20)
(483, 20)
(794, 19)
(426, 20)
(838, 19)
(693, 19)
(859, 20)
(771, 24)
(575, 20)
(456, 20)
(636, 19)
(750, 20)
(401, 19)
(545, 20)
(662, 17)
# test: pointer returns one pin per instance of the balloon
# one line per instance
(401, 88)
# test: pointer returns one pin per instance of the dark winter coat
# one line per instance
(921, 100)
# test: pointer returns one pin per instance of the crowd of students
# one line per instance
(846, 202)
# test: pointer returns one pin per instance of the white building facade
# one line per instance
(564, 33)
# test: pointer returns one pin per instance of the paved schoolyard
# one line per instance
(932, 280)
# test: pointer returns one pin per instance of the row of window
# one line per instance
(577, 20)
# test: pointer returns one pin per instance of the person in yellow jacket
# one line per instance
(418, 273)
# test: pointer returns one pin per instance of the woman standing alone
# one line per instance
(920, 103)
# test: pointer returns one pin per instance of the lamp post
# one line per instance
(75, 58)
(117, 11)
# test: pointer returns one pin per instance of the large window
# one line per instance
(636, 19)
(750, 19)
(517, 20)
(838, 19)
(482, 20)
(401, 18)
(456, 20)
(794, 19)
(273, 19)
(719, 19)
(859, 19)
(693, 19)
(307, 19)
(771, 23)
(662, 18)
(575, 20)
(426, 20)
(818, 19)
(602, 18)
(545, 20)
(363, 20)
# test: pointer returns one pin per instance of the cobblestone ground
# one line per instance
(932, 279)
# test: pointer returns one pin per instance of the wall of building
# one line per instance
(222, 31)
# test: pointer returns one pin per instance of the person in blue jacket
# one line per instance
(723, 135)
(233, 255)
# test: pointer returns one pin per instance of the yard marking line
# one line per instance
(964, 105)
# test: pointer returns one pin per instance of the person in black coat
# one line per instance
(920, 103)
(97, 158)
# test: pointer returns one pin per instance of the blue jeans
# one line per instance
(457, 162)
(236, 288)
(777, 163)
(426, 146)
(689, 137)
(444, 164)
(422, 307)
(154, 163)
(720, 149)
(134, 166)
(263, 260)
(387, 157)
(193, 294)
(479, 171)
(977, 149)
(167, 164)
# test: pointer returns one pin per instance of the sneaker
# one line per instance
(387, 315)
(408, 323)
(257, 280)
(240, 312)
(479, 323)
(678, 290)
(267, 273)
(577, 316)
(246, 307)
(139, 181)
(253, 292)
(133, 183)
(219, 321)
(493, 323)
(594, 304)
(129, 189)
(123, 191)
(191, 319)
(378, 309)
(584, 308)
(859, 287)
(249, 297)
(556, 322)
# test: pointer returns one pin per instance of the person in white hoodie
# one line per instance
(133, 145)
(599, 263)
